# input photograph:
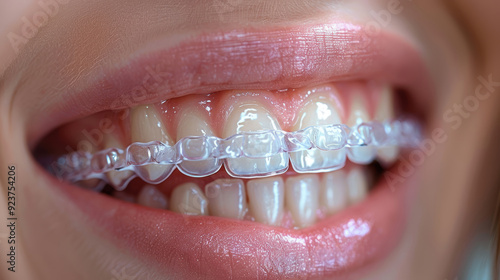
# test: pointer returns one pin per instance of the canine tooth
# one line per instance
(319, 111)
(302, 198)
(227, 198)
(146, 126)
(151, 197)
(359, 114)
(357, 185)
(117, 179)
(189, 199)
(333, 191)
(253, 117)
(266, 198)
(385, 112)
(191, 124)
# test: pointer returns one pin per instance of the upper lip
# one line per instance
(253, 59)
(280, 58)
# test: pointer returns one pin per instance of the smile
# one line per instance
(248, 151)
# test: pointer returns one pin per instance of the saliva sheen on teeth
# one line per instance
(252, 149)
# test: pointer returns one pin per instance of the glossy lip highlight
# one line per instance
(290, 57)
(213, 248)
(210, 246)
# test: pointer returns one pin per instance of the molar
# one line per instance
(253, 117)
(319, 111)
(146, 126)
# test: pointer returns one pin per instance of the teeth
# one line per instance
(359, 114)
(301, 198)
(385, 112)
(227, 198)
(93, 184)
(333, 192)
(357, 184)
(189, 199)
(152, 197)
(146, 126)
(266, 200)
(319, 111)
(192, 124)
(117, 179)
(253, 117)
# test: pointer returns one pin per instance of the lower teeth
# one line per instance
(154, 161)
(290, 200)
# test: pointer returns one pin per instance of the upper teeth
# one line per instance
(359, 114)
(254, 144)
(192, 124)
(147, 126)
(253, 117)
(319, 111)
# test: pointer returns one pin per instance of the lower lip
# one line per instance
(213, 248)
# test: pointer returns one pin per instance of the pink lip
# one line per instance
(210, 247)
(190, 247)
(250, 59)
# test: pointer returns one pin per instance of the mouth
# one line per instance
(247, 152)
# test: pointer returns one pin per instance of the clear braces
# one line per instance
(214, 151)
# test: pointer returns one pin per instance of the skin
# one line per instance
(455, 201)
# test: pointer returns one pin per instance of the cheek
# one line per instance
(50, 226)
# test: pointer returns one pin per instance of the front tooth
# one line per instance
(191, 124)
(266, 200)
(385, 112)
(358, 115)
(117, 179)
(333, 192)
(253, 117)
(302, 198)
(227, 198)
(357, 185)
(152, 197)
(189, 199)
(319, 111)
(146, 126)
